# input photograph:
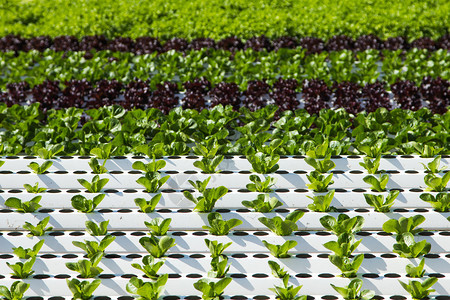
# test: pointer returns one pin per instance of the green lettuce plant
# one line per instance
(215, 248)
(321, 203)
(343, 224)
(212, 289)
(84, 205)
(263, 203)
(148, 206)
(318, 181)
(25, 206)
(87, 268)
(82, 290)
(39, 229)
(157, 247)
(283, 227)
(263, 163)
(93, 248)
(158, 226)
(353, 291)
(150, 266)
(419, 290)
(440, 202)
(218, 226)
(261, 186)
(95, 185)
(287, 292)
(18, 288)
(280, 251)
(379, 203)
(22, 269)
(35, 189)
(26, 253)
(97, 230)
(147, 290)
(40, 169)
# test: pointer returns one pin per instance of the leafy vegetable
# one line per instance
(379, 203)
(407, 247)
(83, 290)
(97, 230)
(263, 163)
(87, 268)
(319, 182)
(218, 226)
(433, 166)
(283, 227)
(147, 290)
(261, 186)
(26, 206)
(286, 292)
(321, 166)
(416, 272)
(150, 267)
(206, 202)
(148, 206)
(211, 289)
(157, 247)
(343, 224)
(152, 181)
(322, 203)
(96, 167)
(18, 288)
(23, 269)
(151, 167)
(264, 203)
(49, 151)
(39, 229)
(210, 160)
(419, 290)
(40, 169)
(103, 151)
(95, 185)
(280, 251)
(352, 291)
(404, 225)
(436, 183)
(344, 246)
(158, 226)
(28, 253)
(216, 248)
(371, 166)
(440, 202)
(80, 203)
(35, 189)
(93, 248)
(219, 267)
(277, 271)
(377, 184)
(349, 267)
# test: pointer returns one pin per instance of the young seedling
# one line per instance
(403, 225)
(210, 289)
(147, 290)
(18, 288)
(82, 290)
(263, 163)
(35, 189)
(344, 246)
(215, 248)
(371, 166)
(343, 224)
(321, 203)
(426, 150)
(80, 203)
(22, 269)
(50, 151)
(377, 184)
(152, 181)
(264, 203)
(96, 167)
(321, 166)
(158, 226)
(379, 203)
(151, 167)
(148, 206)
(436, 183)
(419, 290)
(206, 202)
(433, 166)
(349, 267)
(219, 267)
(286, 292)
(209, 165)
(407, 247)
(39, 229)
(28, 253)
(87, 268)
(218, 226)
(277, 270)
(261, 186)
(352, 291)
(280, 251)
(440, 202)
(93, 248)
(283, 227)
(319, 182)
(150, 267)
(96, 185)
(97, 230)
(416, 272)
(157, 247)
(103, 151)
(40, 169)
(26, 206)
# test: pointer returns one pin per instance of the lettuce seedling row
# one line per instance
(189, 260)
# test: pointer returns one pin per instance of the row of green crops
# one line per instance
(218, 65)
(343, 227)
(26, 129)
(218, 19)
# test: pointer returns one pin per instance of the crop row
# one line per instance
(204, 198)
(147, 45)
(200, 94)
(222, 129)
(215, 19)
(218, 66)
